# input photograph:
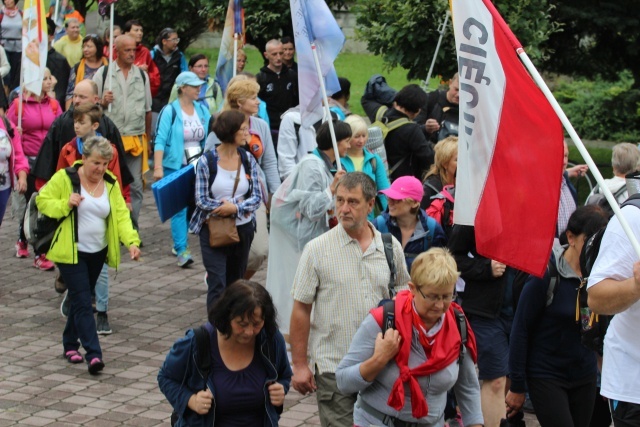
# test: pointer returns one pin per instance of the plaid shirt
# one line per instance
(567, 207)
(205, 201)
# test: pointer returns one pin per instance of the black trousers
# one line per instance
(625, 414)
(561, 404)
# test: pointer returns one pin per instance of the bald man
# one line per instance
(130, 101)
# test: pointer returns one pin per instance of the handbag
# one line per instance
(222, 229)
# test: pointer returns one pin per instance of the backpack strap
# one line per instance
(72, 172)
(554, 278)
(380, 112)
(388, 316)
(213, 166)
(203, 352)
(8, 127)
(387, 240)
(105, 70)
(244, 157)
(461, 321)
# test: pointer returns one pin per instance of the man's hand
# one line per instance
(107, 98)
(514, 402)
(143, 67)
(497, 268)
(302, 380)
(578, 171)
(431, 125)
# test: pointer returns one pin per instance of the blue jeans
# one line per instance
(227, 264)
(81, 278)
(4, 198)
(179, 225)
(102, 290)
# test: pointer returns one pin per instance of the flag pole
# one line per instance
(55, 14)
(110, 83)
(581, 148)
(325, 103)
(235, 53)
(442, 30)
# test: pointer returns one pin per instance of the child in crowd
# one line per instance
(86, 119)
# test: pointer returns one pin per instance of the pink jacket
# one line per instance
(37, 118)
(17, 161)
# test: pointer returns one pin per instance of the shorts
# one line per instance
(492, 338)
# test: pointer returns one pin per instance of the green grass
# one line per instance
(357, 67)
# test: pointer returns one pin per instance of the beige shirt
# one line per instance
(343, 284)
(131, 98)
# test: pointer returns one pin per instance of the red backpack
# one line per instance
(441, 208)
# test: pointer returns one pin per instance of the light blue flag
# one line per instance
(233, 24)
(313, 22)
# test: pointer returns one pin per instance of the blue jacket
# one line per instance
(170, 133)
(377, 173)
(179, 378)
(419, 241)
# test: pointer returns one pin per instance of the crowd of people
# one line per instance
(391, 315)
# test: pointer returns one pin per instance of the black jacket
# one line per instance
(59, 67)
(406, 142)
(438, 108)
(168, 73)
(61, 132)
(483, 293)
(279, 91)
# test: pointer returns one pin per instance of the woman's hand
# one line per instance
(200, 403)
(514, 403)
(19, 129)
(74, 200)
(497, 268)
(336, 178)
(21, 185)
(158, 173)
(227, 209)
(276, 394)
(134, 251)
(387, 345)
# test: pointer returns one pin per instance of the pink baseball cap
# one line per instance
(405, 187)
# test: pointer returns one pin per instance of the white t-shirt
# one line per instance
(92, 221)
(193, 132)
(5, 167)
(223, 186)
(621, 363)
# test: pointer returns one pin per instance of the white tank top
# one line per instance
(92, 221)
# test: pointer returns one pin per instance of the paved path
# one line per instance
(153, 302)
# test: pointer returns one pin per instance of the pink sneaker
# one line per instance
(42, 263)
(22, 249)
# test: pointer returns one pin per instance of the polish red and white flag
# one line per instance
(510, 154)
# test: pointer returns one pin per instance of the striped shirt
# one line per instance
(343, 283)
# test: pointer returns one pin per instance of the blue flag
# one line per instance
(313, 23)
(233, 24)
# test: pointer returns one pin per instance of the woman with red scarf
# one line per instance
(402, 376)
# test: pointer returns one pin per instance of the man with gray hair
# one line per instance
(70, 45)
(341, 276)
(278, 86)
(625, 158)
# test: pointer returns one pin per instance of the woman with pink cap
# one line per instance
(404, 219)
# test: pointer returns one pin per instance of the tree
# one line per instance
(264, 19)
(83, 6)
(184, 16)
(406, 33)
(597, 38)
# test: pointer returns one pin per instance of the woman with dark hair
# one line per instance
(171, 62)
(546, 351)
(227, 185)
(92, 60)
(250, 372)
(210, 95)
(302, 209)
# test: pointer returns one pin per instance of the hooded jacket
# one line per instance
(37, 118)
(168, 71)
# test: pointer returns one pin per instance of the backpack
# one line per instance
(213, 167)
(40, 229)
(599, 199)
(388, 320)
(387, 241)
(381, 226)
(441, 208)
(521, 277)
(387, 126)
(447, 116)
(203, 360)
(593, 327)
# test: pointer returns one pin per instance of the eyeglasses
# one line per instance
(176, 40)
(244, 129)
(201, 66)
(446, 298)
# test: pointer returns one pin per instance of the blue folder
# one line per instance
(174, 192)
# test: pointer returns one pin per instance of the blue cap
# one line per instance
(188, 78)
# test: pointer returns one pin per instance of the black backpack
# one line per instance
(594, 326)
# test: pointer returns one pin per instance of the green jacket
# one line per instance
(53, 201)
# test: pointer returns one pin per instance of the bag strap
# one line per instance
(203, 348)
(394, 167)
(237, 180)
(388, 316)
(72, 172)
(431, 229)
(387, 241)
(554, 277)
(461, 322)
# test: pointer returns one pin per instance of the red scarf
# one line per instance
(442, 350)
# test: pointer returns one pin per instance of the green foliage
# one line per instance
(406, 33)
(184, 16)
(604, 110)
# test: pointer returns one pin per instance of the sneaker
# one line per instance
(65, 305)
(59, 285)
(22, 249)
(185, 259)
(102, 322)
(174, 252)
(96, 365)
(42, 263)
